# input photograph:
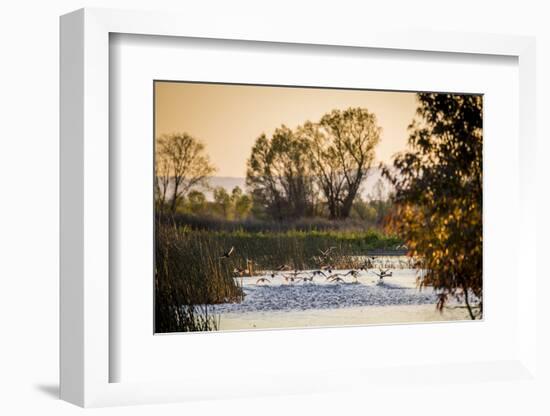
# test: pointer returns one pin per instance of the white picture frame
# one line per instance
(85, 354)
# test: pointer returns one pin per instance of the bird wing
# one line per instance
(231, 251)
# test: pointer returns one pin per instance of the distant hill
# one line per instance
(231, 182)
(226, 182)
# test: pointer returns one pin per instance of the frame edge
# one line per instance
(71, 202)
(82, 353)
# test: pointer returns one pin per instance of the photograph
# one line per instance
(290, 207)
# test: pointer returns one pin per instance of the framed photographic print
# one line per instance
(227, 198)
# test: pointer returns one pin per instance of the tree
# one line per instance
(364, 211)
(180, 165)
(375, 208)
(438, 195)
(222, 201)
(341, 153)
(279, 177)
(241, 203)
(196, 202)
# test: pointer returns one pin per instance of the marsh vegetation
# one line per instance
(302, 212)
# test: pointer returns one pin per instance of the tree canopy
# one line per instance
(279, 176)
(181, 163)
(292, 173)
(342, 152)
(438, 195)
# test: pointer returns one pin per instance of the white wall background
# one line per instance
(29, 99)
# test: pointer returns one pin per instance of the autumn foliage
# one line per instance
(438, 196)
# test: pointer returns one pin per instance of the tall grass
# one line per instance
(252, 225)
(189, 276)
(297, 249)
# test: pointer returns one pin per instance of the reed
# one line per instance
(190, 276)
(299, 249)
(212, 223)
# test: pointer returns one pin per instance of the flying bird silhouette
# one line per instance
(326, 252)
(327, 269)
(227, 253)
(382, 274)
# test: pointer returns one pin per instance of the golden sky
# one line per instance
(229, 118)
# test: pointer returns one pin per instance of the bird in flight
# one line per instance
(335, 277)
(306, 279)
(382, 274)
(227, 253)
(289, 278)
(263, 280)
(328, 269)
(326, 252)
(354, 273)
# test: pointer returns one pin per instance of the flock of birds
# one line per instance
(378, 266)
(326, 272)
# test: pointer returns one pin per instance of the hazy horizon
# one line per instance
(230, 182)
(229, 118)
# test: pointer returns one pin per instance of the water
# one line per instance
(279, 295)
